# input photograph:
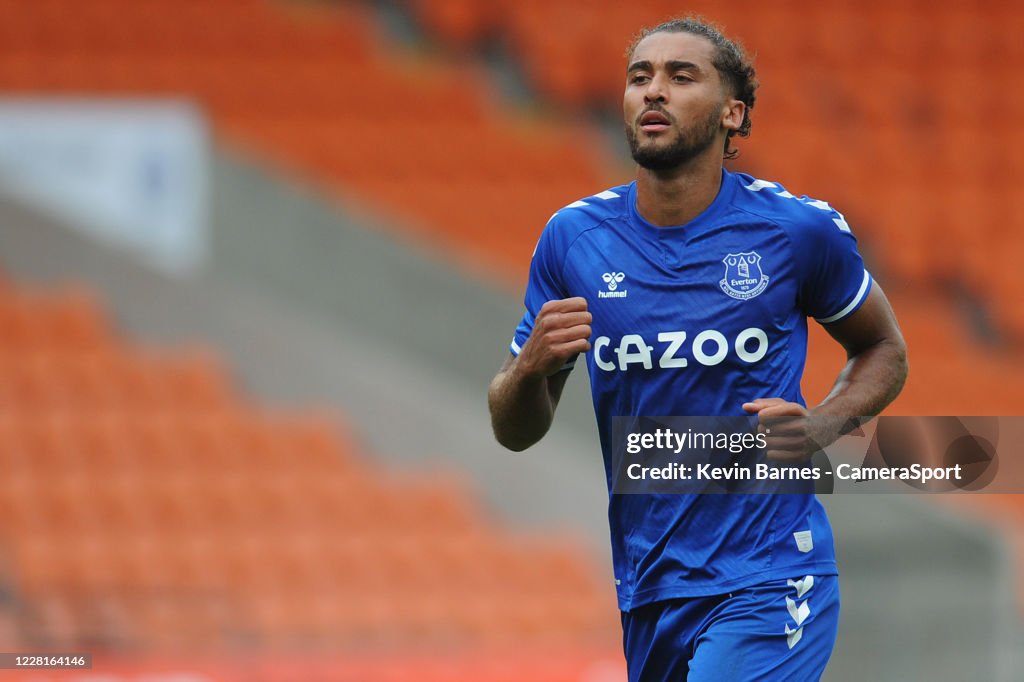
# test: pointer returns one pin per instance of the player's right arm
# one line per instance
(525, 392)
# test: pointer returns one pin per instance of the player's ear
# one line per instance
(732, 114)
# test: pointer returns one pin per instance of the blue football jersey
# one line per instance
(696, 320)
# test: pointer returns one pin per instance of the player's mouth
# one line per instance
(654, 122)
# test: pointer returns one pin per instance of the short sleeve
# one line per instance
(545, 283)
(833, 280)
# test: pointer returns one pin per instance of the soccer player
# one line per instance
(688, 293)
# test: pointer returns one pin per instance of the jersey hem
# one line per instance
(656, 594)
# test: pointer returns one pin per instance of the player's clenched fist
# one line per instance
(792, 433)
(560, 332)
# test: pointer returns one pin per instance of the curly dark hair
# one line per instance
(729, 60)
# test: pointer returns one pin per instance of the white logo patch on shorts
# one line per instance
(798, 611)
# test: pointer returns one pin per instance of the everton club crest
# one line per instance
(744, 278)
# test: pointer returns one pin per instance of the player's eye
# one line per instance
(682, 78)
(639, 78)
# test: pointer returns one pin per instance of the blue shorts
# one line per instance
(778, 630)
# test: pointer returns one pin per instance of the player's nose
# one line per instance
(656, 90)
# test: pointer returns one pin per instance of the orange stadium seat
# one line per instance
(458, 23)
(21, 510)
(146, 508)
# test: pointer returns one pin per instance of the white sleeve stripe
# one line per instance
(515, 347)
(758, 185)
(851, 305)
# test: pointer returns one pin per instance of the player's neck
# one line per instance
(675, 197)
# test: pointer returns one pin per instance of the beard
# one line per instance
(689, 143)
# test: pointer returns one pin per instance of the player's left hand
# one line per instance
(787, 428)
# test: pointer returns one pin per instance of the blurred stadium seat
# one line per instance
(147, 509)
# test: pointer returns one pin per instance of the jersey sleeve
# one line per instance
(545, 284)
(833, 280)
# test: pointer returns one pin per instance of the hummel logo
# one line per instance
(613, 279)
